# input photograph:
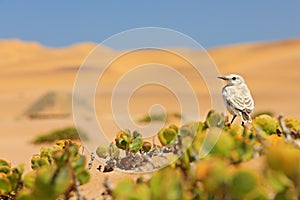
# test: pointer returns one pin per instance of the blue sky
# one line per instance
(211, 23)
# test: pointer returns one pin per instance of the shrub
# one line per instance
(245, 163)
(57, 171)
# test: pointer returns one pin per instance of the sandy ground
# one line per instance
(29, 70)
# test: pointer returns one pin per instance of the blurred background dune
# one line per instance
(37, 82)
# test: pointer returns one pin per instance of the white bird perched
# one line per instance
(237, 97)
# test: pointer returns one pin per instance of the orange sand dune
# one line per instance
(28, 70)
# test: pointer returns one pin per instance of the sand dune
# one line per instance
(29, 70)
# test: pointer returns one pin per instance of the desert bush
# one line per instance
(258, 161)
(59, 134)
(160, 117)
(247, 162)
(57, 171)
(10, 180)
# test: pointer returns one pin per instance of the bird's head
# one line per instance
(232, 79)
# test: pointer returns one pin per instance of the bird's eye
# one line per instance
(234, 78)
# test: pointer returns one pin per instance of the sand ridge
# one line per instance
(29, 70)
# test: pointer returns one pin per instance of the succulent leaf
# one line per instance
(166, 136)
(136, 144)
(123, 139)
(102, 152)
(146, 146)
(265, 123)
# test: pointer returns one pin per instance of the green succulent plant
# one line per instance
(265, 125)
(292, 123)
(286, 159)
(10, 179)
(244, 163)
(127, 189)
(215, 119)
(243, 182)
(102, 151)
(136, 144)
(123, 139)
(233, 169)
(166, 184)
(60, 134)
(167, 135)
(146, 146)
(57, 171)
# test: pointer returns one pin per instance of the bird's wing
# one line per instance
(239, 98)
(248, 100)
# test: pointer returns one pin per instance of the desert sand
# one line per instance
(29, 70)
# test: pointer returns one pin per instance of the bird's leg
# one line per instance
(234, 116)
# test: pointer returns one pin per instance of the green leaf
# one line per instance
(277, 180)
(113, 150)
(26, 194)
(83, 176)
(37, 162)
(236, 130)
(224, 144)
(46, 153)
(73, 149)
(166, 136)
(214, 174)
(284, 158)
(286, 194)
(20, 169)
(166, 184)
(215, 119)
(102, 152)
(136, 144)
(43, 187)
(123, 140)
(191, 129)
(142, 192)
(5, 185)
(146, 146)
(29, 179)
(63, 181)
(292, 123)
(266, 124)
(4, 163)
(243, 182)
(174, 127)
(124, 188)
(15, 180)
(79, 163)
(61, 157)
(5, 169)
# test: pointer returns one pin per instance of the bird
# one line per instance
(237, 97)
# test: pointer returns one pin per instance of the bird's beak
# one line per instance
(223, 77)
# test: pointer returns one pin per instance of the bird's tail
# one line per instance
(246, 115)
